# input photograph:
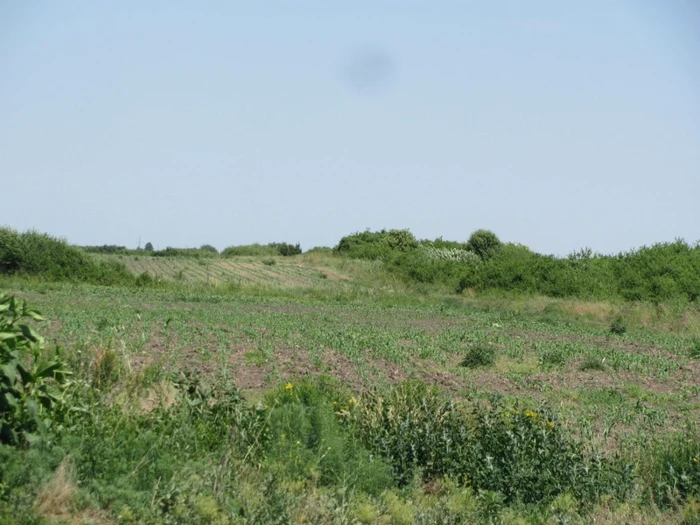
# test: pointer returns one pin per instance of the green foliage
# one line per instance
(552, 358)
(672, 469)
(376, 245)
(31, 385)
(321, 250)
(250, 250)
(521, 455)
(208, 248)
(148, 247)
(479, 355)
(41, 255)
(483, 243)
(285, 249)
(269, 262)
(110, 249)
(258, 250)
(144, 279)
(592, 363)
(694, 348)
(617, 327)
(307, 440)
(196, 253)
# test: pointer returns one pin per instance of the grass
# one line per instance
(160, 437)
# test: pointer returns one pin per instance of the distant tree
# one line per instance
(148, 247)
(483, 243)
(208, 248)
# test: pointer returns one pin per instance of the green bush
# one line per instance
(258, 250)
(41, 255)
(197, 253)
(483, 243)
(286, 249)
(617, 327)
(110, 249)
(307, 441)
(523, 455)
(672, 469)
(31, 382)
(208, 248)
(376, 245)
(479, 356)
(694, 349)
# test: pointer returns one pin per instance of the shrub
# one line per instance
(306, 439)
(694, 349)
(269, 262)
(617, 327)
(592, 363)
(185, 252)
(38, 254)
(208, 248)
(148, 247)
(484, 243)
(285, 249)
(258, 250)
(552, 358)
(519, 455)
(452, 254)
(479, 356)
(376, 245)
(320, 249)
(144, 279)
(111, 249)
(672, 469)
(31, 384)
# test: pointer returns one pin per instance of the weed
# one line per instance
(618, 327)
(479, 355)
(592, 363)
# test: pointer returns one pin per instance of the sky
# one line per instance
(559, 125)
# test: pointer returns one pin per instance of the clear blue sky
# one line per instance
(555, 124)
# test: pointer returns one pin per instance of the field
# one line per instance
(623, 378)
(277, 271)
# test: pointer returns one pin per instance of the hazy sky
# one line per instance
(556, 124)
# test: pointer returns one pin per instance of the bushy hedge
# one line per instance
(259, 250)
(661, 272)
(41, 255)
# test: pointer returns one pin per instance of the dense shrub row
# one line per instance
(661, 272)
(259, 250)
(39, 254)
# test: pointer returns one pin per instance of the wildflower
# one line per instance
(550, 424)
(695, 460)
(352, 401)
(298, 442)
(288, 386)
(530, 413)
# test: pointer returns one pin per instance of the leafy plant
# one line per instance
(673, 468)
(694, 349)
(478, 356)
(31, 385)
(483, 243)
(617, 327)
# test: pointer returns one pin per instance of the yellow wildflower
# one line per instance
(550, 424)
(695, 460)
(288, 386)
(352, 401)
(530, 413)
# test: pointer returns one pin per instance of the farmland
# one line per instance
(309, 380)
